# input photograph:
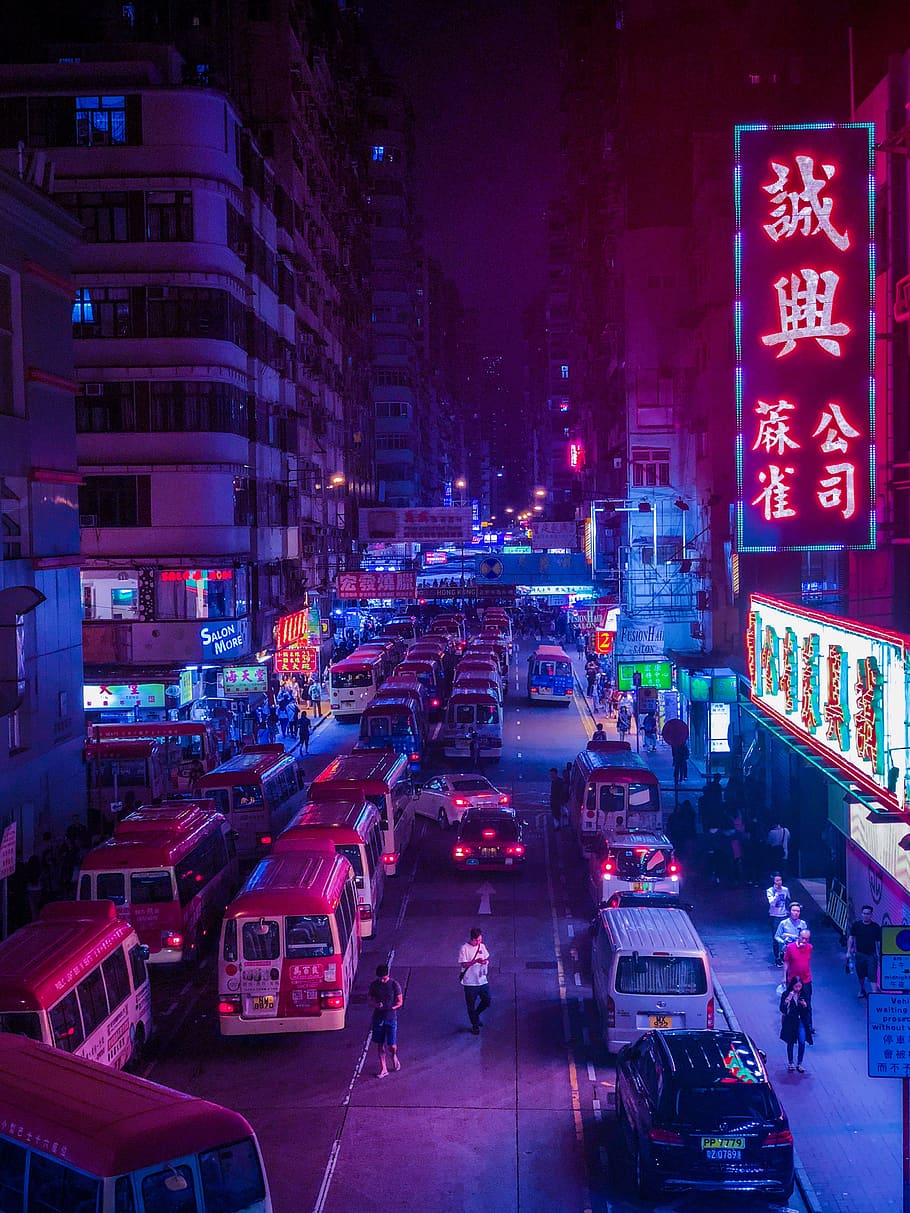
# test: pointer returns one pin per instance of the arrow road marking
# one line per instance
(485, 891)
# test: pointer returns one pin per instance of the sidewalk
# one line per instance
(846, 1126)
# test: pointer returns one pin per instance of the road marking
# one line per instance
(486, 891)
(578, 979)
(592, 1073)
(564, 1001)
(570, 930)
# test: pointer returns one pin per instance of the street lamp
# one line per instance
(540, 492)
(461, 484)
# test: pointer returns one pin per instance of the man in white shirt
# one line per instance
(789, 929)
(474, 962)
(778, 908)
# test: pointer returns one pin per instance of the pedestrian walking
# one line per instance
(474, 749)
(864, 945)
(649, 728)
(591, 671)
(778, 841)
(580, 644)
(272, 723)
(385, 998)
(474, 962)
(680, 763)
(303, 732)
(558, 796)
(798, 963)
(778, 896)
(788, 929)
(623, 721)
(315, 696)
(795, 1023)
(599, 734)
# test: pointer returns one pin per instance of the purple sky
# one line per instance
(483, 79)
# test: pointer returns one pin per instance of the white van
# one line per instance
(650, 970)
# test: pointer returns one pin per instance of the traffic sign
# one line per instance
(895, 958)
(491, 568)
(675, 732)
(889, 1025)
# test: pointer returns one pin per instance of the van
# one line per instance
(394, 723)
(429, 671)
(76, 979)
(471, 712)
(383, 778)
(650, 970)
(353, 828)
(611, 793)
(170, 870)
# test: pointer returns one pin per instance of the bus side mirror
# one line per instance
(233, 835)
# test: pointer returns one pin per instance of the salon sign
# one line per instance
(838, 686)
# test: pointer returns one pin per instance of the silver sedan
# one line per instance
(446, 798)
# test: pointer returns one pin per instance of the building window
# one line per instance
(115, 501)
(650, 467)
(392, 408)
(7, 362)
(564, 371)
(169, 215)
(100, 121)
(392, 442)
(12, 518)
(377, 152)
(104, 216)
(110, 594)
(16, 732)
(200, 593)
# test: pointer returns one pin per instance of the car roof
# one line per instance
(643, 928)
(491, 816)
(708, 1057)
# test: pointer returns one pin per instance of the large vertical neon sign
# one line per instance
(804, 337)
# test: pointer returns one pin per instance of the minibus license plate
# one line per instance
(472, 863)
(264, 1002)
(660, 1021)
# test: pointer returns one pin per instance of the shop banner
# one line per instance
(245, 679)
(377, 585)
(562, 535)
(224, 638)
(441, 524)
(297, 659)
(131, 695)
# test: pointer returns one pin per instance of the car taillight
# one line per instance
(331, 1000)
(415, 758)
(172, 939)
(664, 1137)
(390, 857)
(366, 911)
(673, 869)
(781, 1137)
(608, 867)
(461, 852)
(229, 1006)
(504, 799)
(569, 691)
(460, 801)
(265, 840)
(517, 849)
(709, 1018)
(611, 1012)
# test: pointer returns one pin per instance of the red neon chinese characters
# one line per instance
(867, 695)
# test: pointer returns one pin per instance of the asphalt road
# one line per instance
(517, 1119)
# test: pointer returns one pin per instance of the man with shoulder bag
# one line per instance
(474, 964)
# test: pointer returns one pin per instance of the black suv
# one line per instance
(697, 1110)
(489, 838)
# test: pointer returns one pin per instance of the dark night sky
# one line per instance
(483, 78)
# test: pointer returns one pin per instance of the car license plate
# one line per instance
(641, 886)
(734, 1144)
(723, 1155)
(264, 1002)
(508, 863)
(472, 863)
(661, 1021)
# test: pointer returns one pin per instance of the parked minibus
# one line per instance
(258, 791)
(479, 680)
(550, 678)
(641, 861)
(383, 778)
(402, 627)
(472, 712)
(611, 793)
(493, 646)
(78, 1137)
(429, 670)
(650, 970)
(394, 723)
(290, 944)
(170, 870)
(390, 650)
(353, 682)
(407, 684)
(499, 622)
(123, 773)
(438, 646)
(448, 625)
(76, 979)
(478, 664)
(186, 745)
(354, 828)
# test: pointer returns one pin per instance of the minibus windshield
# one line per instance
(357, 678)
(21, 1023)
(351, 852)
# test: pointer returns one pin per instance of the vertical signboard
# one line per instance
(804, 337)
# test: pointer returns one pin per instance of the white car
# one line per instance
(446, 798)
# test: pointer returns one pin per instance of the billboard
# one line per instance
(803, 315)
(838, 686)
(365, 584)
(439, 524)
(554, 535)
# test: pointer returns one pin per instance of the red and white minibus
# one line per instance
(170, 870)
(185, 744)
(123, 773)
(290, 944)
(77, 1137)
(470, 712)
(612, 793)
(258, 791)
(429, 671)
(354, 829)
(383, 778)
(394, 722)
(76, 979)
(354, 681)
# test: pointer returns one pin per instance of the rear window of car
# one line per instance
(471, 785)
(661, 975)
(475, 829)
(706, 1107)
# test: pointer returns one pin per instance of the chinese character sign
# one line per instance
(840, 687)
(805, 456)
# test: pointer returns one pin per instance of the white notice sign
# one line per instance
(889, 1035)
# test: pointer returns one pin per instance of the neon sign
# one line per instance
(852, 704)
(805, 272)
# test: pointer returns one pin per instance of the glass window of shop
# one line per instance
(110, 594)
(201, 593)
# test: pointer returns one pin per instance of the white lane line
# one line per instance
(592, 1073)
(570, 930)
(578, 979)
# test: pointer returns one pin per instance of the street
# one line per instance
(520, 1118)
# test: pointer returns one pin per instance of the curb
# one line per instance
(803, 1182)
